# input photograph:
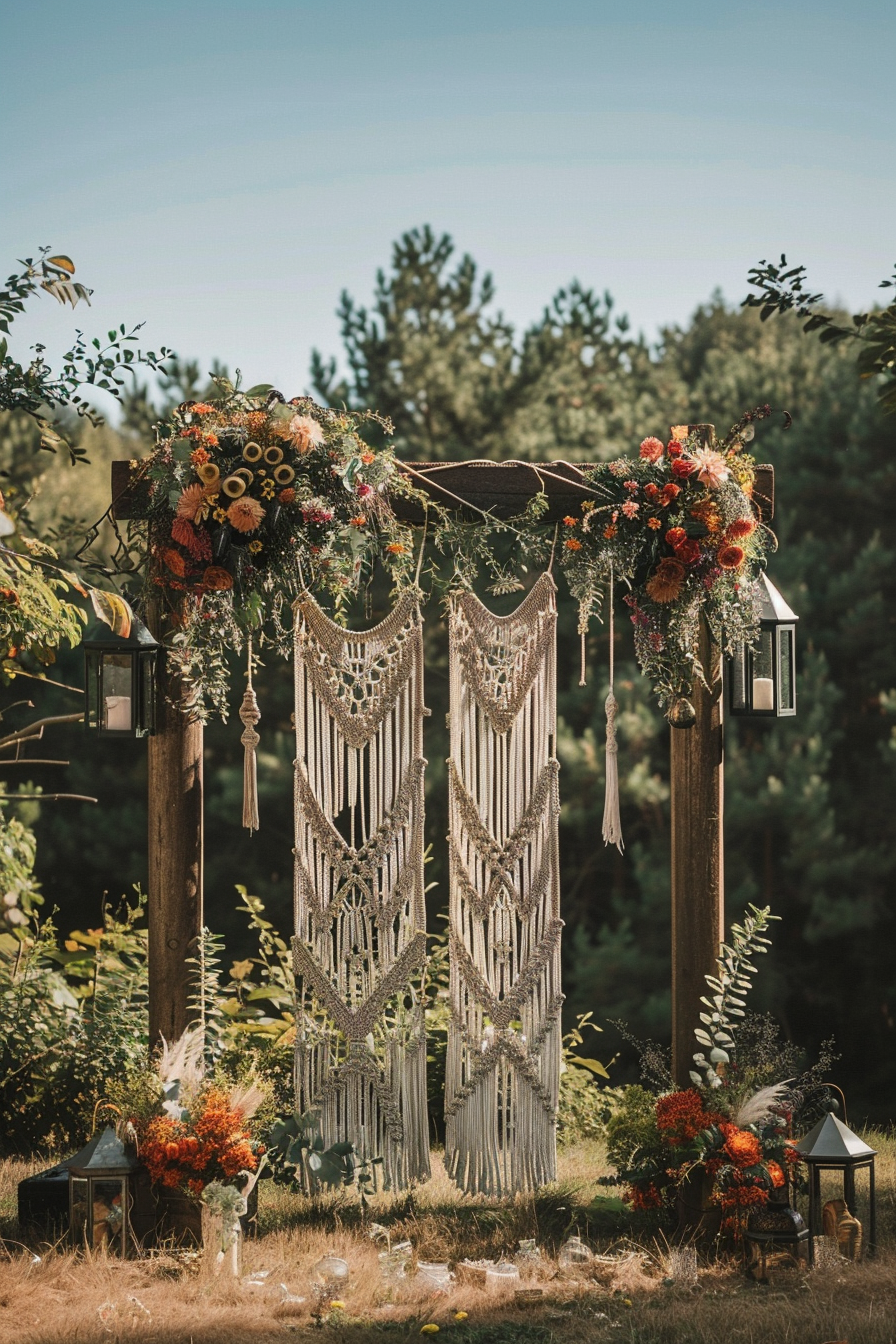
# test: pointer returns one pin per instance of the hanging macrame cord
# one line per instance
(612, 828)
(250, 715)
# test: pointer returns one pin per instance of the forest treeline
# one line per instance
(809, 801)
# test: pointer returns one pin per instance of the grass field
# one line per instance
(69, 1299)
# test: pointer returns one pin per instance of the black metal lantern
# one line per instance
(762, 681)
(99, 1191)
(831, 1146)
(121, 682)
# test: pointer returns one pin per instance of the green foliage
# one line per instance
(296, 1156)
(732, 981)
(631, 1130)
(19, 890)
(585, 1106)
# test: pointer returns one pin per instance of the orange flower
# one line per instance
(740, 528)
(743, 1148)
(676, 535)
(217, 580)
(202, 408)
(287, 496)
(730, 557)
(395, 548)
(610, 531)
(651, 449)
(706, 513)
(777, 1175)
(358, 521)
(670, 491)
(256, 421)
(643, 1197)
(175, 561)
(210, 439)
(245, 514)
(367, 457)
(665, 584)
(654, 523)
(199, 455)
(193, 503)
(573, 544)
(570, 522)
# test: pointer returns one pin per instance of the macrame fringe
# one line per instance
(504, 1039)
(612, 827)
(250, 715)
(360, 945)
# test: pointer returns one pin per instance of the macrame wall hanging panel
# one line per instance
(360, 943)
(503, 1064)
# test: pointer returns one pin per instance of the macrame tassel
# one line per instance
(612, 830)
(249, 713)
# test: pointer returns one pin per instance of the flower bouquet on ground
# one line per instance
(732, 1126)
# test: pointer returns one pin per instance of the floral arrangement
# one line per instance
(677, 526)
(211, 1142)
(725, 1126)
(252, 500)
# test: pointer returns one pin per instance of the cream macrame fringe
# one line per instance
(504, 1041)
(360, 944)
(612, 828)
(250, 714)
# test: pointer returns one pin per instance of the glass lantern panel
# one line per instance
(764, 674)
(79, 1210)
(108, 1215)
(147, 693)
(738, 675)
(117, 692)
(94, 686)
(787, 698)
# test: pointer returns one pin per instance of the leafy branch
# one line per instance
(733, 980)
(783, 289)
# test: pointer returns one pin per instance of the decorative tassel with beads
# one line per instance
(612, 829)
(250, 714)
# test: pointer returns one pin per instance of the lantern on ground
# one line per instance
(831, 1146)
(762, 680)
(121, 682)
(99, 1187)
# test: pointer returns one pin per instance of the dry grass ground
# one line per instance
(68, 1299)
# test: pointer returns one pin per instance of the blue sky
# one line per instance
(223, 172)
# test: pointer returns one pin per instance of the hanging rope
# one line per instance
(250, 714)
(612, 828)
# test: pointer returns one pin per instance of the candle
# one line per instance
(118, 713)
(763, 693)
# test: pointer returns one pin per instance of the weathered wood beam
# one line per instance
(500, 488)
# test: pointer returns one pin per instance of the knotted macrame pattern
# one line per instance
(360, 943)
(503, 1064)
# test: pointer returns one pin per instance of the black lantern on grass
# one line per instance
(831, 1146)
(762, 681)
(121, 682)
(99, 1186)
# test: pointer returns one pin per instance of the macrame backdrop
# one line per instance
(360, 941)
(504, 1043)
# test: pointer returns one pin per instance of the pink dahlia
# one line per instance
(651, 449)
(712, 469)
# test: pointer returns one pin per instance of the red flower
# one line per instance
(670, 491)
(175, 561)
(573, 544)
(730, 557)
(674, 448)
(688, 552)
(610, 531)
(676, 535)
(570, 522)
(743, 1148)
(652, 490)
(740, 528)
(651, 449)
(682, 467)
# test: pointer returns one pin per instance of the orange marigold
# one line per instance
(777, 1174)
(199, 455)
(740, 528)
(730, 557)
(569, 522)
(654, 523)
(358, 521)
(665, 584)
(743, 1148)
(395, 548)
(573, 544)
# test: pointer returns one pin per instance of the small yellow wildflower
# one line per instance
(460, 1315)
(255, 547)
(337, 1304)
(431, 1329)
(220, 515)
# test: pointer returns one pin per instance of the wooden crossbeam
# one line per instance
(500, 488)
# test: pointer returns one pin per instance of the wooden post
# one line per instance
(174, 906)
(698, 909)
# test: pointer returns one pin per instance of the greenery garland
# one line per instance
(253, 499)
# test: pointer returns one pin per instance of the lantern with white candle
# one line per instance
(121, 682)
(762, 678)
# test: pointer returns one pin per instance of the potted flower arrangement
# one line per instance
(721, 1148)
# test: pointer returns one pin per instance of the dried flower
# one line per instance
(679, 433)
(209, 475)
(193, 503)
(670, 491)
(316, 511)
(175, 561)
(651, 449)
(730, 557)
(199, 455)
(655, 523)
(652, 490)
(245, 514)
(631, 486)
(10, 597)
(217, 580)
(396, 548)
(665, 584)
(197, 542)
(256, 421)
(777, 1175)
(572, 544)
(287, 496)
(268, 489)
(706, 512)
(363, 490)
(630, 508)
(202, 408)
(255, 547)
(303, 432)
(368, 456)
(220, 515)
(712, 469)
(358, 521)
(740, 528)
